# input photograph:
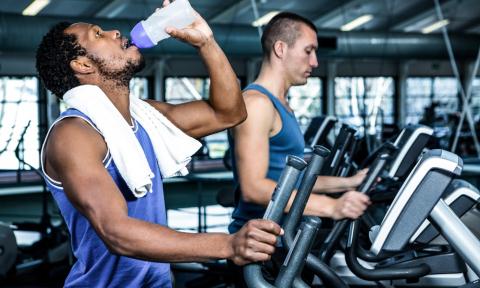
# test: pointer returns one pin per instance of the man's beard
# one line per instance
(120, 76)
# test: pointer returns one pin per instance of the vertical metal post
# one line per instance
(256, 15)
(466, 103)
(401, 91)
(158, 76)
(330, 87)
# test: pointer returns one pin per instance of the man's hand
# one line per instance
(255, 241)
(351, 205)
(357, 179)
(197, 34)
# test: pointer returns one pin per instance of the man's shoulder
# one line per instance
(73, 133)
(72, 126)
(258, 99)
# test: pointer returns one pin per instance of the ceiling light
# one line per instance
(264, 19)
(435, 26)
(357, 22)
(35, 7)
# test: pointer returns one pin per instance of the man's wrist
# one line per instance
(208, 45)
(228, 251)
(327, 206)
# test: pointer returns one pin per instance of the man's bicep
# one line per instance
(77, 162)
(252, 143)
(94, 193)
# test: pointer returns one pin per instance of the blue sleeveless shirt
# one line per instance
(288, 141)
(95, 265)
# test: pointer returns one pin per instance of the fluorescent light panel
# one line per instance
(35, 7)
(357, 22)
(264, 19)
(435, 26)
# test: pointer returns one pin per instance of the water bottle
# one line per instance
(147, 33)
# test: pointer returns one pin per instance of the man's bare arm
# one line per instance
(252, 154)
(331, 184)
(224, 107)
(93, 192)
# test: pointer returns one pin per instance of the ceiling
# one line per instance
(389, 15)
(395, 22)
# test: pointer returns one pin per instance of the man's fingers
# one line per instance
(355, 204)
(261, 236)
(172, 31)
(184, 34)
(352, 211)
(260, 247)
(357, 196)
(253, 257)
(267, 226)
(361, 203)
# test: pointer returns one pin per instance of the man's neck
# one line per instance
(274, 80)
(119, 96)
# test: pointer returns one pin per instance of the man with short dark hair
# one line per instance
(119, 234)
(262, 142)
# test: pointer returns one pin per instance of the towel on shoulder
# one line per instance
(173, 148)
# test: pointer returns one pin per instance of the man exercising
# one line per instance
(121, 240)
(260, 145)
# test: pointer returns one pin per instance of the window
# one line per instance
(19, 133)
(183, 89)
(475, 99)
(139, 87)
(364, 101)
(306, 101)
(427, 93)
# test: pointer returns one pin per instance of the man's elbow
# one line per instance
(234, 118)
(114, 239)
(252, 197)
(242, 116)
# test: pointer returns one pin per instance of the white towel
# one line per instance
(173, 148)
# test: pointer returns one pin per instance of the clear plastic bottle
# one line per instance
(147, 33)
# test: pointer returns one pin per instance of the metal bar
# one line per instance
(467, 104)
(457, 235)
(457, 76)
(256, 15)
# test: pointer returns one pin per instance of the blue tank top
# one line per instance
(95, 265)
(288, 141)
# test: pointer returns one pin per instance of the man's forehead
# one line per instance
(306, 29)
(308, 33)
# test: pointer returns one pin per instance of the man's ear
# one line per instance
(279, 49)
(82, 65)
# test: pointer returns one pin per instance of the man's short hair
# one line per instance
(284, 27)
(53, 58)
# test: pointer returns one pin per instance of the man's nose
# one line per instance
(314, 61)
(116, 34)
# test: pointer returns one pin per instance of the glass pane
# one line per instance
(475, 104)
(445, 94)
(427, 93)
(19, 122)
(184, 89)
(306, 101)
(139, 87)
(419, 97)
(364, 99)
